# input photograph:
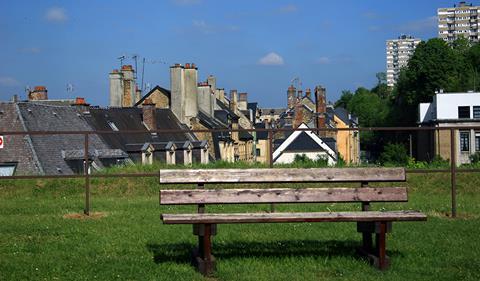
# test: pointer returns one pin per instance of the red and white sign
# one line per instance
(1, 141)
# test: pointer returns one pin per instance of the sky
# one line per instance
(257, 47)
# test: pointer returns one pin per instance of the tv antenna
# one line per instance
(296, 82)
(135, 57)
(70, 88)
(121, 58)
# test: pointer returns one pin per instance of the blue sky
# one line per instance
(252, 46)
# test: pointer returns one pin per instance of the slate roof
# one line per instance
(275, 111)
(48, 148)
(130, 119)
(261, 135)
(344, 115)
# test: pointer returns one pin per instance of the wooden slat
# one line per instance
(282, 195)
(184, 176)
(293, 217)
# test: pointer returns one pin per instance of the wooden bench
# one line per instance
(368, 222)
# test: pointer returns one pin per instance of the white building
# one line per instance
(460, 20)
(399, 52)
(450, 110)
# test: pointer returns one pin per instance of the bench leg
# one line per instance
(376, 255)
(381, 240)
(203, 259)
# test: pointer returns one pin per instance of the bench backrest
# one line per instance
(282, 195)
(189, 176)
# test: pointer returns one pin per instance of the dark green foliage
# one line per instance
(475, 158)
(394, 154)
(435, 65)
(301, 160)
(344, 99)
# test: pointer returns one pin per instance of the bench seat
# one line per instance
(228, 218)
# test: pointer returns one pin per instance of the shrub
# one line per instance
(394, 154)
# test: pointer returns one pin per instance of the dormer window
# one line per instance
(112, 125)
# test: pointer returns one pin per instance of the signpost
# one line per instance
(1, 141)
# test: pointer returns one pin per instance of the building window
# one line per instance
(464, 112)
(476, 112)
(257, 151)
(477, 141)
(7, 169)
(464, 141)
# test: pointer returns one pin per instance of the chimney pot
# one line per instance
(127, 67)
(80, 101)
(187, 65)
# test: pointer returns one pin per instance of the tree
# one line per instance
(434, 66)
(344, 100)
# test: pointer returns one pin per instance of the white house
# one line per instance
(307, 143)
(450, 110)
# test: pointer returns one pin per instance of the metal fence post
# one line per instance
(86, 166)
(270, 160)
(453, 168)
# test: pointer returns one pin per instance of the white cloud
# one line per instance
(186, 2)
(8, 81)
(287, 9)
(56, 14)
(426, 24)
(29, 50)
(323, 60)
(203, 27)
(271, 59)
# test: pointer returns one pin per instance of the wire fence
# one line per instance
(453, 170)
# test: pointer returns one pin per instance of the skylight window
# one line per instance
(112, 125)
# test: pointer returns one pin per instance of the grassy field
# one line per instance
(41, 238)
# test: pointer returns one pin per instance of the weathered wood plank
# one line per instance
(282, 195)
(185, 176)
(294, 217)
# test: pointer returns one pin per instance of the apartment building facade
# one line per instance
(399, 52)
(461, 20)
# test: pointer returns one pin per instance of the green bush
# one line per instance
(394, 154)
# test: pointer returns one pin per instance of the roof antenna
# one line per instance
(121, 58)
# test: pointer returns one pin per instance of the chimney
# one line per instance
(242, 101)
(149, 118)
(308, 93)
(204, 98)
(116, 88)
(221, 95)
(191, 92)
(177, 88)
(321, 108)
(138, 94)
(212, 82)
(15, 98)
(38, 93)
(291, 96)
(233, 100)
(298, 118)
(129, 92)
(80, 101)
(299, 94)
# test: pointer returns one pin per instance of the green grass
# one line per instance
(130, 243)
